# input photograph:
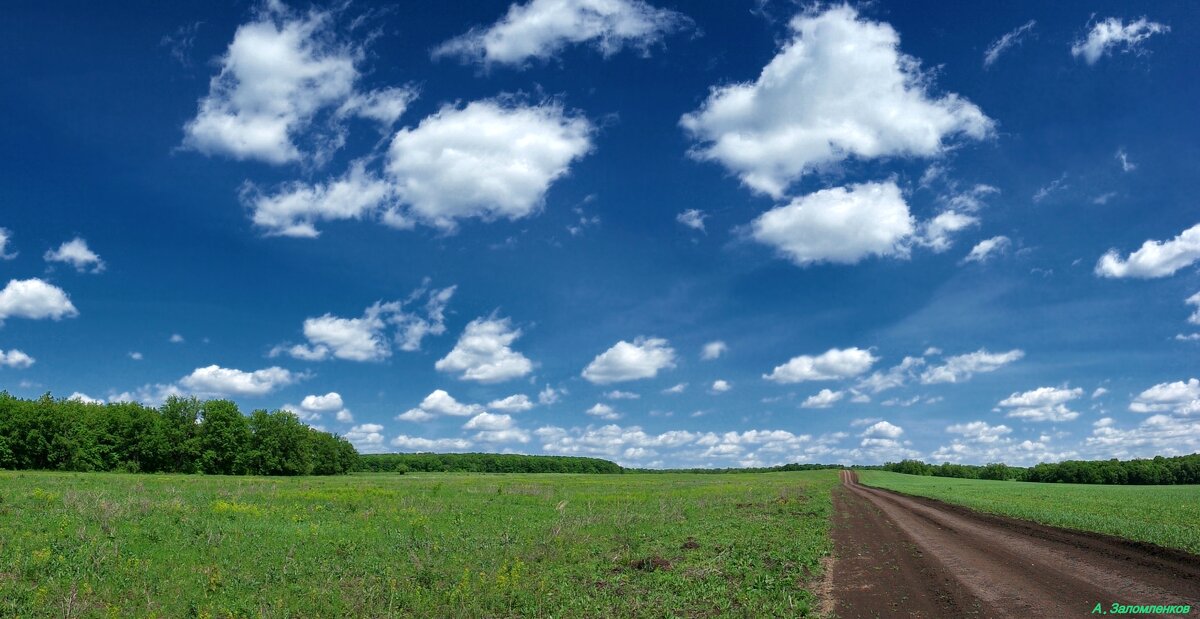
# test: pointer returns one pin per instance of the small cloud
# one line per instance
(692, 218)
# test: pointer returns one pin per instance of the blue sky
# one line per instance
(669, 234)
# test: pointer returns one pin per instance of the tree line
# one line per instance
(757, 469)
(1148, 471)
(184, 435)
(483, 463)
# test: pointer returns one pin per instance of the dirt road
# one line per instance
(901, 556)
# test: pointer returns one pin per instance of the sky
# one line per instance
(670, 234)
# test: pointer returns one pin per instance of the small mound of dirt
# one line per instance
(691, 544)
(650, 564)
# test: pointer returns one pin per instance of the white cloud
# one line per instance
(713, 350)
(136, 356)
(439, 402)
(1179, 397)
(1113, 32)
(679, 388)
(327, 403)
(14, 358)
(415, 415)
(961, 368)
(365, 339)
(36, 300)
(416, 443)
(175, 338)
(296, 207)
(999, 46)
(487, 160)
(603, 411)
(483, 353)
(1126, 164)
(5, 239)
(692, 218)
(1154, 258)
(1042, 404)
(550, 395)
(1099, 392)
(1195, 301)
(840, 88)
(833, 364)
(617, 394)
(895, 376)
(367, 438)
(513, 403)
(489, 421)
(840, 225)
(631, 361)
(824, 398)
(987, 249)
(345, 416)
(540, 29)
(883, 429)
(76, 253)
(280, 72)
(970, 200)
(721, 386)
(1191, 337)
(979, 431)
(1158, 435)
(937, 232)
(216, 380)
(1055, 186)
(85, 398)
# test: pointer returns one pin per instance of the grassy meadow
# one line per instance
(417, 545)
(1164, 515)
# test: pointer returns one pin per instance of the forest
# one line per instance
(483, 463)
(184, 435)
(1159, 470)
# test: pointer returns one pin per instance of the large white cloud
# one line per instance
(279, 73)
(77, 254)
(15, 359)
(832, 364)
(1112, 33)
(492, 159)
(1042, 404)
(366, 338)
(36, 300)
(1179, 397)
(1154, 258)
(839, 88)
(841, 225)
(961, 368)
(643, 358)
(483, 353)
(540, 29)
(216, 380)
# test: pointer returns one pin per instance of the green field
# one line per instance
(1164, 515)
(429, 545)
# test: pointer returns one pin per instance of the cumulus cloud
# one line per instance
(678, 388)
(281, 72)
(617, 394)
(296, 207)
(1154, 258)
(1113, 33)
(483, 353)
(513, 403)
(979, 431)
(416, 443)
(1011, 38)
(833, 364)
(1179, 397)
(894, 377)
(438, 402)
(937, 233)
(692, 218)
(14, 358)
(85, 398)
(36, 300)
(5, 239)
(219, 381)
(987, 249)
(550, 395)
(489, 421)
(839, 88)
(960, 368)
(713, 350)
(883, 429)
(824, 398)
(313, 406)
(366, 438)
(1042, 404)
(643, 358)
(603, 411)
(720, 386)
(841, 225)
(75, 253)
(540, 29)
(366, 338)
(1194, 300)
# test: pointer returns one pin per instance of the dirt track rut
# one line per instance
(902, 556)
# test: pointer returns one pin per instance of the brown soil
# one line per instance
(902, 556)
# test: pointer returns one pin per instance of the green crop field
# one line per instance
(428, 545)
(1164, 515)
